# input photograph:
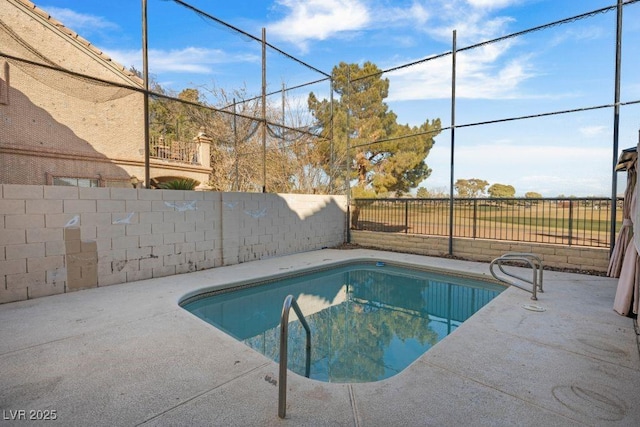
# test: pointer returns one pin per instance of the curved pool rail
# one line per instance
(532, 260)
(289, 302)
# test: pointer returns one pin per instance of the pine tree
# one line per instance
(393, 165)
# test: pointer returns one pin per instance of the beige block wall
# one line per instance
(57, 239)
(558, 256)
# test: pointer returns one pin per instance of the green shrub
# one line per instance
(179, 184)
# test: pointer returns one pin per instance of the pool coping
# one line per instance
(129, 355)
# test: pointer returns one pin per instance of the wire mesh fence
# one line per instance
(71, 114)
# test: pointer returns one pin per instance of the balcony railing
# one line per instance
(563, 221)
(176, 151)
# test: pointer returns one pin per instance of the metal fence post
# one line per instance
(475, 216)
(570, 221)
(406, 216)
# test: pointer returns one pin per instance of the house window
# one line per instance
(76, 182)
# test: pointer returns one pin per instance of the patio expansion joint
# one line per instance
(205, 392)
(31, 347)
(354, 406)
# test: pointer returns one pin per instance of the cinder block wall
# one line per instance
(558, 256)
(59, 239)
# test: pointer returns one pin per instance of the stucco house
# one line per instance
(62, 128)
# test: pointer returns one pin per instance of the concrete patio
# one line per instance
(128, 355)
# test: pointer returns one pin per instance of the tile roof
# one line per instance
(34, 9)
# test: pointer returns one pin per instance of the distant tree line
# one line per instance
(477, 188)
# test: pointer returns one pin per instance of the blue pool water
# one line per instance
(368, 321)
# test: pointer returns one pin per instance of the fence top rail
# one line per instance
(488, 199)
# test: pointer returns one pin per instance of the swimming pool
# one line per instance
(368, 320)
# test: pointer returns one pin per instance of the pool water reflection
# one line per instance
(367, 322)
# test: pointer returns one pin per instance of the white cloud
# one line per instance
(588, 33)
(470, 29)
(472, 24)
(190, 60)
(79, 22)
(318, 20)
(491, 4)
(416, 13)
(593, 131)
(309, 20)
(479, 75)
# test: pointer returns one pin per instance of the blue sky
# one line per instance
(564, 67)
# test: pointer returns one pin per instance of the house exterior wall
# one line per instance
(58, 124)
(558, 256)
(59, 239)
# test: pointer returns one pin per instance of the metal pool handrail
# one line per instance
(289, 302)
(534, 262)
